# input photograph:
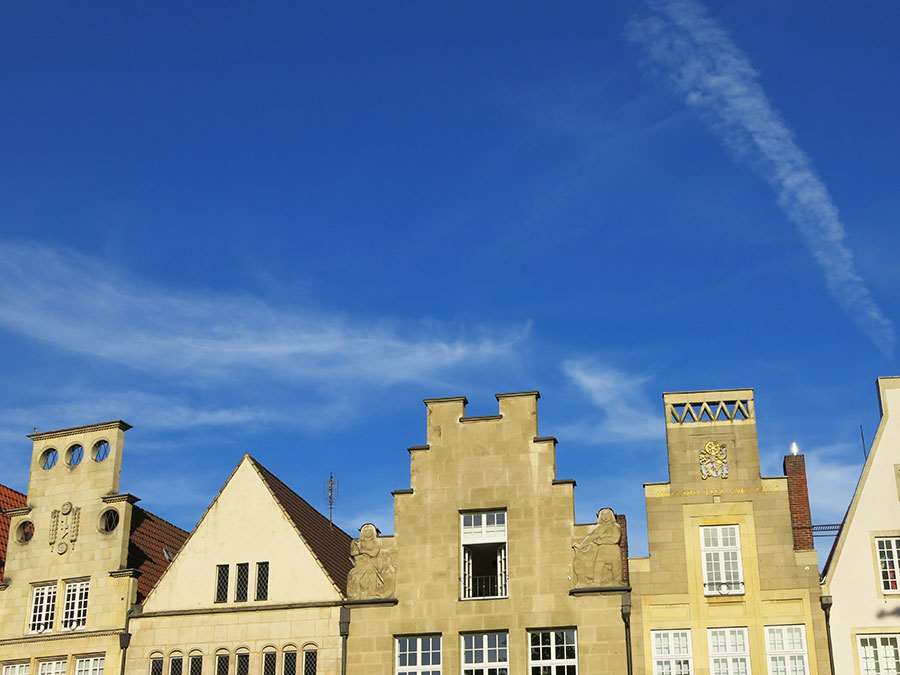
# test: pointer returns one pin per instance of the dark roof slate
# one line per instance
(9, 499)
(150, 534)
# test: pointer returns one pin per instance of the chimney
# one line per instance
(798, 498)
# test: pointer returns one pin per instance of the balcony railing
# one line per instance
(724, 588)
(483, 587)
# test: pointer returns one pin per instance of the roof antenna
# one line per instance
(331, 496)
(863, 439)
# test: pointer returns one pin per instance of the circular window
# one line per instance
(74, 455)
(24, 532)
(48, 459)
(109, 520)
(100, 451)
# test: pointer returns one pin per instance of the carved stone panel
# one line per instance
(598, 558)
(64, 524)
(373, 575)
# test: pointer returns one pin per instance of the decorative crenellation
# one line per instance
(689, 412)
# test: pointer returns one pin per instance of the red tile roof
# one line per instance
(150, 534)
(329, 543)
(9, 499)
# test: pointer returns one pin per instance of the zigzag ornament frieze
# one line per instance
(709, 411)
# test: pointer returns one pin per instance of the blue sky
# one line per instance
(276, 227)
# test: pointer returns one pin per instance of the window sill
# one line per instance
(485, 597)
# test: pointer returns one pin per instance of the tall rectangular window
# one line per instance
(879, 654)
(221, 664)
(52, 667)
(75, 605)
(310, 661)
(176, 665)
(43, 610)
(221, 583)
(241, 581)
(262, 581)
(888, 561)
(195, 664)
(484, 565)
(156, 665)
(270, 661)
(486, 654)
(92, 665)
(729, 651)
(786, 650)
(723, 572)
(552, 651)
(418, 655)
(671, 652)
(290, 663)
(242, 664)
(15, 669)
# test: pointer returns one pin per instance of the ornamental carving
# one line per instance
(64, 526)
(598, 558)
(713, 461)
(373, 575)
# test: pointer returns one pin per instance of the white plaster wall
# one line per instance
(853, 582)
(244, 524)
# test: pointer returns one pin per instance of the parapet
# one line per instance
(705, 407)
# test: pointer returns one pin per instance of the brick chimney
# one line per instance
(798, 497)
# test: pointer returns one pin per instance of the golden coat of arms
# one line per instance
(713, 461)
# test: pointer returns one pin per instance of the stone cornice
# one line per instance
(243, 608)
(21, 511)
(600, 590)
(122, 497)
(125, 572)
(72, 431)
(67, 635)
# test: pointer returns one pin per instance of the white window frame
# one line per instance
(487, 648)
(16, 668)
(410, 652)
(43, 609)
(785, 649)
(483, 527)
(54, 667)
(90, 665)
(737, 648)
(75, 605)
(879, 655)
(672, 652)
(547, 654)
(888, 549)
(716, 557)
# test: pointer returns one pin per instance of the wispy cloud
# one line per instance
(624, 412)
(67, 299)
(717, 79)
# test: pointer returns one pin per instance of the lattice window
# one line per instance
(52, 667)
(484, 563)
(723, 572)
(786, 650)
(418, 655)
(76, 605)
(176, 665)
(262, 581)
(888, 563)
(195, 664)
(729, 652)
(879, 654)
(270, 662)
(486, 654)
(290, 663)
(552, 652)
(43, 610)
(310, 661)
(671, 652)
(221, 583)
(242, 580)
(221, 664)
(242, 664)
(156, 665)
(92, 665)
(15, 669)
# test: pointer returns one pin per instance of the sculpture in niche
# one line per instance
(713, 461)
(373, 575)
(598, 559)
(64, 526)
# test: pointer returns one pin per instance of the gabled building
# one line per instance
(257, 589)
(80, 554)
(731, 583)
(862, 576)
(487, 572)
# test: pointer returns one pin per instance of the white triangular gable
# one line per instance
(244, 524)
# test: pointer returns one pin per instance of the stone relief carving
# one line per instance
(598, 559)
(713, 461)
(373, 575)
(64, 526)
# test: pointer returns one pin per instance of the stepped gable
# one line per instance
(150, 534)
(329, 543)
(9, 499)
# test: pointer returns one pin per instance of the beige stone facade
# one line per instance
(480, 572)
(731, 577)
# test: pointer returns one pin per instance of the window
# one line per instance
(786, 650)
(262, 581)
(90, 666)
(729, 653)
(888, 557)
(484, 554)
(242, 578)
(195, 664)
(156, 665)
(310, 661)
(552, 652)
(76, 605)
(176, 665)
(879, 654)
(242, 663)
(486, 654)
(221, 664)
(418, 655)
(221, 583)
(15, 669)
(270, 659)
(52, 667)
(43, 609)
(671, 652)
(720, 546)
(290, 663)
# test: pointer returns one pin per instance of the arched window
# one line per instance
(269, 660)
(195, 662)
(310, 659)
(222, 662)
(176, 663)
(156, 663)
(242, 661)
(289, 660)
